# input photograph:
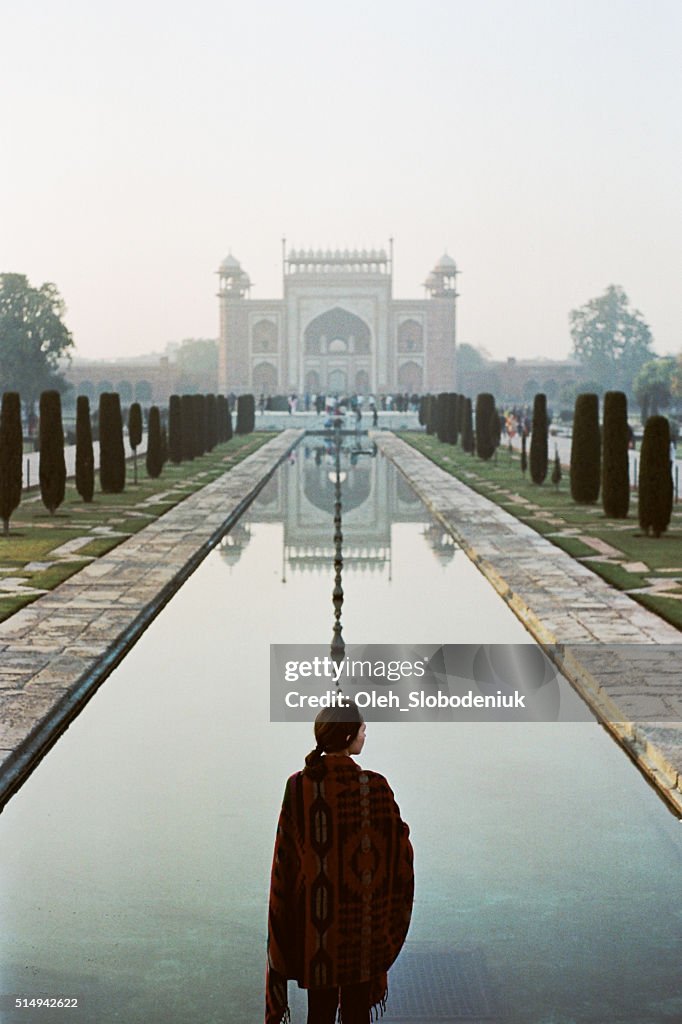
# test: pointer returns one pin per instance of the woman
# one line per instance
(342, 881)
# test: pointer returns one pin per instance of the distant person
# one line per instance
(336, 925)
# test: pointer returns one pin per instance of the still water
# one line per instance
(136, 859)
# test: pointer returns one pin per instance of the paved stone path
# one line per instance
(623, 659)
(55, 652)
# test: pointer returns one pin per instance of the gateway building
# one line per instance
(337, 329)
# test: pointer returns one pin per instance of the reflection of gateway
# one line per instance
(337, 329)
(301, 496)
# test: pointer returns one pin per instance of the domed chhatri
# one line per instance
(338, 329)
(230, 263)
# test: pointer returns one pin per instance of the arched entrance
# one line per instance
(337, 345)
(337, 381)
(264, 379)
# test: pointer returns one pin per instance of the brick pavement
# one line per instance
(56, 652)
(624, 660)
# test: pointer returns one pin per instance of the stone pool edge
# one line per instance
(101, 612)
(655, 749)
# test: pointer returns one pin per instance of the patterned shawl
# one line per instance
(342, 884)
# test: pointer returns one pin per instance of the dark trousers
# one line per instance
(323, 1004)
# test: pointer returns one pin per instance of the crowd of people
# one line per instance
(322, 403)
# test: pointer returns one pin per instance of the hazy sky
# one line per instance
(538, 141)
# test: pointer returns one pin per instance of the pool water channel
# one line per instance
(136, 859)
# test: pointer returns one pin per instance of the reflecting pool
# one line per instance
(136, 859)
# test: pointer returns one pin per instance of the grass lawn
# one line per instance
(553, 513)
(32, 557)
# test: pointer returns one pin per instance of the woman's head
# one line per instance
(337, 730)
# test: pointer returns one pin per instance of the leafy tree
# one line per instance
(85, 460)
(135, 431)
(538, 440)
(11, 451)
(198, 355)
(33, 338)
(154, 459)
(611, 341)
(586, 450)
(112, 463)
(52, 468)
(655, 478)
(653, 386)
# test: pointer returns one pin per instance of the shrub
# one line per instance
(52, 469)
(135, 431)
(154, 460)
(11, 452)
(485, 410)
(655, 478)
(112, 462)
(85, 460)
(615, 465)
(246, 414)
(188, 434)
(538, 440)
(174, 429)
(586, 450)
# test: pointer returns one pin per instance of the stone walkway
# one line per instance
(624, 660)
(56, 652)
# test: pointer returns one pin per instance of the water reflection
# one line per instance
(136, 859)
(301, 498)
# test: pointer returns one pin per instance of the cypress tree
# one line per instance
(85, 459)
(220, 419)
(246, 414)
(211, 423)
(468, 443)
(429, 419)
(52, 470)
(655, 477)
(187, 418)
(229, 432)
(11, 452)
(199, 425)
(485, 409)
(538, 440)
(442, 416)
(154, 459)
(174, 429)
(422, 411)
(455, 417)
(135, 431)
(556, 472)
(615, 463)
(112, 460)
(586, 450)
